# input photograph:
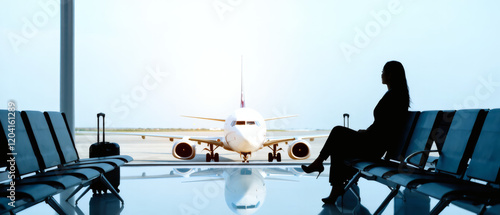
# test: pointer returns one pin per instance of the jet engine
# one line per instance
(299, 150)
(184, 150)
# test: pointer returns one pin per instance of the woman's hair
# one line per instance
(396, 78)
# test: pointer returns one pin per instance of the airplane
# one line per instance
(244, 133)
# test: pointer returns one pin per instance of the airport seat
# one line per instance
(456, 149)
(394, 152)
(46, 150)
(417, 151)
(417, 136)
(30, 189)
(484, 166)
(66, 145)
(43, 143)
(27, 196)
(455, 153)
(26, 161)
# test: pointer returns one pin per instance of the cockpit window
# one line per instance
(245, 123)
(246, 206)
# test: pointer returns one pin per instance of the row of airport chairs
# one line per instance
(467, 171)
(46, 161)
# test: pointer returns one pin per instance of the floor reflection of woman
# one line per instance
(344, 143)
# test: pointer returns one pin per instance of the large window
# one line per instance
(146, 62)
(29, 54)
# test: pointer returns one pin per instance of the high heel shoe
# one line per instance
(313, 167)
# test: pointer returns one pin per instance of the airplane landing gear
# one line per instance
(245, 157)
(214, 157)
(211, 155)
(275, 154)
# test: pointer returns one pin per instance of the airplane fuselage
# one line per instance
(244, 131)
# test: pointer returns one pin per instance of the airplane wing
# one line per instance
(217, 141)
(205, 118)
(276, 140)
(281, 117)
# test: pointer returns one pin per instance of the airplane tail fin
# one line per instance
(242, 94)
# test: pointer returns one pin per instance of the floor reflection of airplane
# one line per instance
(244, 133)
(244, 189)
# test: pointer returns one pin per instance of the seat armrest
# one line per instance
(408, 159)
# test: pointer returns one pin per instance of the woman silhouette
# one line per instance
(343, 143)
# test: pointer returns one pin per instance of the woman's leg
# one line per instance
(338, 141)
(331, 145)
(342, 144)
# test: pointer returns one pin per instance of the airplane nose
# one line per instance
(252, 141)
(247, 141)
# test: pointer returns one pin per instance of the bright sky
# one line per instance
(145, 63)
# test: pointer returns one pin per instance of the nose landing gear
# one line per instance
(245, 157)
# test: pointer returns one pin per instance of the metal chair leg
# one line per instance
(110, 187)
(53, 203)
(84, 192)
(78, 189)
(392, 194)
(354, 180)
(483, 210)
(440, 206)
(75, 191)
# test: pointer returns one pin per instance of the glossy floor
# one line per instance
(229, 188)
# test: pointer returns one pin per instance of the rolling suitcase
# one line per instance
(101, 149)
(105, 204)
(346, 119)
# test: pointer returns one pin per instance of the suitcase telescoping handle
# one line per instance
(346, 118)
(103, 129)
